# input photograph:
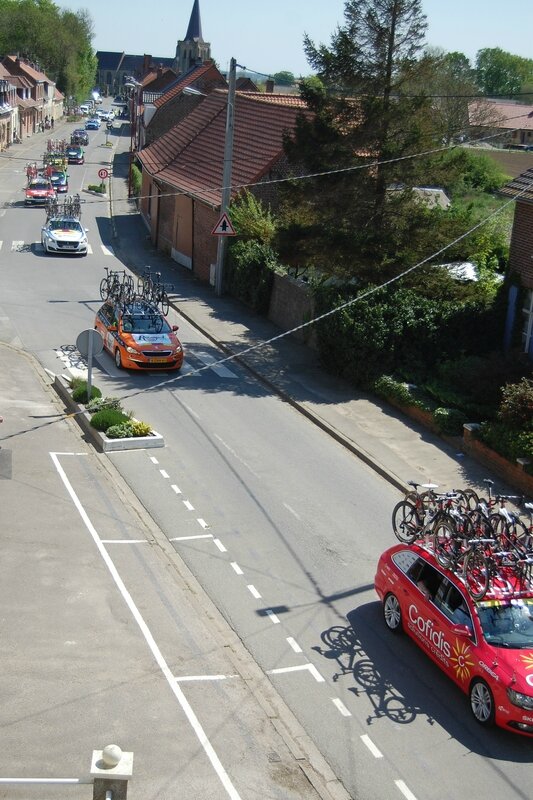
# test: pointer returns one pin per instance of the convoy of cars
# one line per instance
(138, 336)
(59, 180)
(38, 191)
(75, 154)
(484, 646)
(92, 124)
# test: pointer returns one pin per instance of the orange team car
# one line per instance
(484, 645)
(138, 336)
(38, 191)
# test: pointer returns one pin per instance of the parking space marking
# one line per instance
(125, 541)
(154, 460)
(188, 505)
(148, 636)
(164, 473)
(188, 538)
(367, 741)
(205, 677)
(210, 361)
(220, 545)
(236, 568)
(176, 488)
(202, 523)
(405, 790)
(253, 591)
(310, 667)
(273, 618)
(294, 644)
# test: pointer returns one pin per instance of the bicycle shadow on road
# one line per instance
(398, 682)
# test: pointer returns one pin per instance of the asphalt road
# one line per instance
(275, 521)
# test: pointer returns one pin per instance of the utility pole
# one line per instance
(226, 175)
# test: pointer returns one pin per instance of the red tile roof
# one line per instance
(521, 187)
(31, 71)
(189, 79)
(507, 116)
(190, 156)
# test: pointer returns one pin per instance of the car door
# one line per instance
(456, 616)
(423, 619)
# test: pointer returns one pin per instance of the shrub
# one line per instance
(104, 419)
(516, 408)
(97, 187)
(506, 441)
(449, 421)
(98, 403)
(390, 389)
(129, 428)
(136, 180)
(250, 273)
(79, 395)
(140, 428)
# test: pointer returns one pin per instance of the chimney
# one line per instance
(146, 64)
(269, 88)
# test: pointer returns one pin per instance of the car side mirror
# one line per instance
(112, 328)
(175, 327)
(462, 630)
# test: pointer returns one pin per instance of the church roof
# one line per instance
(190, 155)
(194, 31)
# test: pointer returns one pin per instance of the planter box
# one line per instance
(97, 438)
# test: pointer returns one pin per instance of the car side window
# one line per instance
(454, 606)
(426, 578)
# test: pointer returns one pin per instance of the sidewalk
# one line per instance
(395, 447)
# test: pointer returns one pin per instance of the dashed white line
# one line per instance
(405, 790)
(188, 505)
(294, 644)
(234, 454)
(220, 545)
(202, 523)
(188, 538)
(176, 488)
(367, 741)
(236, 567)
(164, 473)
(272, 616)
(342, 708)
(154, 460)
(293, 512)
(253, 591)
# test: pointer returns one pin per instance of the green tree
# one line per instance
(500, 73)
(284, 78)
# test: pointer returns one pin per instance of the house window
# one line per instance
(527, 326)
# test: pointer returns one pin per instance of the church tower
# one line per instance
(192, 50)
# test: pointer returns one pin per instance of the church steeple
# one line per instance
(194, 31)
(192, 50)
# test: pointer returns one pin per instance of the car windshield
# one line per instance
(64, 225)
(151, 323)
(39, 185)
(507, 623)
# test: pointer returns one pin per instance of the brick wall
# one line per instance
(205, 245)
(521, 252)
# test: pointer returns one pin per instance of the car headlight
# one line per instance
(520, 700)
(130, 349)
(177, 349)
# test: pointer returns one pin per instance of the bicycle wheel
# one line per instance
(104, 288)
(476, 573)
(405, 522)
(446, 544)
(164, 302)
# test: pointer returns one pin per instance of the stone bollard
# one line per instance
(111, 769)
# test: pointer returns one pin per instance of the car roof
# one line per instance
(138, 308)
(499, 589)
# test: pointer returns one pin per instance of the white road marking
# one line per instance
(150, 641)
(46, 781)
(89, 249)
(205, 677)
(405, 790)
(188, 538)
(292, 511)
(164, 473)
(154, 460)
(310, 667)
(176, 488)
(107, 250)
(16, 246)
(188, 408)
(221, 370)
(342, 708)
(220, 545)
(294, 644)
(202, 523)
(367, 741)
(1, 243)
(273, 618)
(251, 588)
(188, 505)
(236, 567)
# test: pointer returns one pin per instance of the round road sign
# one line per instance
(103, 173)
(89, 340)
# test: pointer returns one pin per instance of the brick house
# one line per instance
(9, 116)
(513, 120)
(182, 171)
(521, 257)
(38, 97)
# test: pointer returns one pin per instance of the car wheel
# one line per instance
(482, 702)
(118, 359)
(392, 614)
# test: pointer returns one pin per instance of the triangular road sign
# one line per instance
(224, 227)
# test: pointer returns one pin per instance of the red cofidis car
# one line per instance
(485, 646)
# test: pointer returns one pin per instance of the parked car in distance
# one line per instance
(75, 154)
(92, 124)
(85, 108)
(64, 235)
(485, 646)
(138, 336)
(38, 191)
(59, 180)
(79, 136)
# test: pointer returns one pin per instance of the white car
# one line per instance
(64, 235)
